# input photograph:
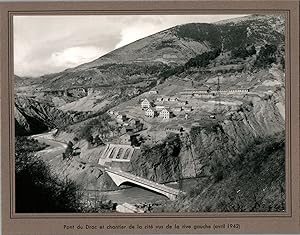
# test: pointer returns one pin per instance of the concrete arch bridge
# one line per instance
(120, 177)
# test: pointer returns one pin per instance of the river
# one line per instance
(135, 195)
(132, 195)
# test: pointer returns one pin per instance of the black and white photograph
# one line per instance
(149, 113)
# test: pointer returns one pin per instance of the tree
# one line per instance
(69, 150)
(243, 52)
(240, 53)
(252, 50)
(70, 144)
(90, 139)
(203, 59)
(266, 56)
(217, 169)
(134, 141)
(98, 141)
(38, 190)
(282, 62)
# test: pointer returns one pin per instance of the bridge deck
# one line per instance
(144, 181)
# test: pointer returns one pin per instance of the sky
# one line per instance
(49, 44)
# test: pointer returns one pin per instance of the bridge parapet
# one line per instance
(120, 177)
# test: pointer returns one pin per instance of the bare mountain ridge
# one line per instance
(162, 47)
(145, 58)
(182, 42)
(274, 21)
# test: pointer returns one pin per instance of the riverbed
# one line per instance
(136, 195)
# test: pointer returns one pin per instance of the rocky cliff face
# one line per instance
(219, 142)
(32, 116)
(255, 182)
(230, 137)
(159, 163)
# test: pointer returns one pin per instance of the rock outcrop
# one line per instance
(229, 138)
(159, 163)
(32, 116)
(218, 141)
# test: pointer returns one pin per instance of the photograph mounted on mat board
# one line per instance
(134, 118)
(150, 113)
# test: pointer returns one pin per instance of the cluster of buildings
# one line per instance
(164, 113)
(157, 109)
(128, 128)
(208, 92)
(128, 125)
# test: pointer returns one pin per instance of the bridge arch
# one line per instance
(129, 183)
(120, 178)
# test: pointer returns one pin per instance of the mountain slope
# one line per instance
(253, 183)
(32, 116)
(145, 58)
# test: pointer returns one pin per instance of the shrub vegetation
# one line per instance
(38, 190)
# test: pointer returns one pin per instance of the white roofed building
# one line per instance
(145, 104)
(153, 92)
(150, 113)
(165, 113)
